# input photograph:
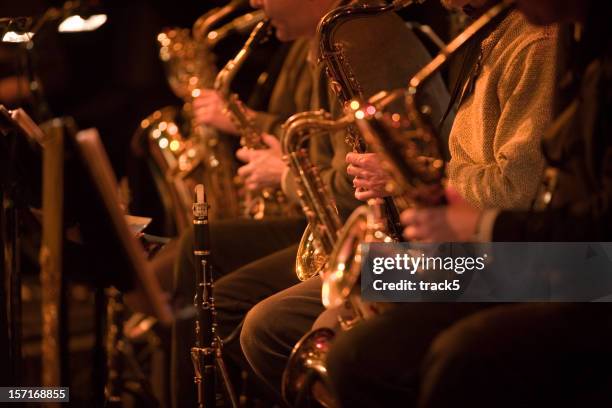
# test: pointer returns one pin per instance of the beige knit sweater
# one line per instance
(496, 161)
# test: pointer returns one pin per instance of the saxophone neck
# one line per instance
(250, 135)
(260, 34)
(296, 129)
(302, 126)
(338, 70)
(224, 78)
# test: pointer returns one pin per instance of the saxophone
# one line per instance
(345, 83)
(270, 201)
(317, 202)
(184, 155)
(250, 135)
(412, 148)
(318, 205)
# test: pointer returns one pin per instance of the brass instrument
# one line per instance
(412, 149)
(187, 54)
(269, 202)
(250, 136)
(410, 145)
(184, 155)
(350, 82)
(344, 75)
(318, 204)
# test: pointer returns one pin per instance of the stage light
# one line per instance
(14, 37)
(74, 17)
(76, 23)
(16, 30)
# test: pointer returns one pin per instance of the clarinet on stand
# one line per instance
(206, 356)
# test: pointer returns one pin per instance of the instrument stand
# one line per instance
(208, 361)
(207, 356)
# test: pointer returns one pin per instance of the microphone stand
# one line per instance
(206, 356)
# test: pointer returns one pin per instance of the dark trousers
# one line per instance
(476, 355)
(273, 327)
(252, 260)
(377, 362)
(523, 355)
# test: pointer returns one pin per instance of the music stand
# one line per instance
(89, 200)
(110, 252)
(20, 148)
(92, 192)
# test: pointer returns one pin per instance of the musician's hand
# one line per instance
(209, 110)
(371, 179)
(265, 167)
(456, 222)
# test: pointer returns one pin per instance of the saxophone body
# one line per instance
(345, 78)
(269, 202)
(409, 142)
(317, 202)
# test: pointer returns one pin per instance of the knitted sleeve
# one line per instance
(511, 177)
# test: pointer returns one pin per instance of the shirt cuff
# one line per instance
(484, 229)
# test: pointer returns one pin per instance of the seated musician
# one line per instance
(254, 259)
(505, 105)
(274, 325)
(494, 141)
(563, 361)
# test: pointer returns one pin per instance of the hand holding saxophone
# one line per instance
(209, 109)
(371, 179)
(456, 222)
(265, 167)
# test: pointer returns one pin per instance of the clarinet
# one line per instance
(203, 354)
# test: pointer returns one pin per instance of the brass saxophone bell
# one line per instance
(306, 366)
(343, 271)
(311, 259)
(341, 277)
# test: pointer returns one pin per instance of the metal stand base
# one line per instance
(199, 356)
